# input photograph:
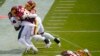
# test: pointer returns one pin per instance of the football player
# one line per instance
(84, 52)
(30, 6)
(13, 19)
(25, 27)
(29, 17)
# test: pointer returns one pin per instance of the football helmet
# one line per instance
(30, 5)
(14, 10)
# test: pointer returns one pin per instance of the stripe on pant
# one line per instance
(19, 35)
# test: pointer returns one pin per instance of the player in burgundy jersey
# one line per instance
(25, 26)
(30, 6)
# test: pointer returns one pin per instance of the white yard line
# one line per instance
(63, 10)
(77, 13)
(56, 27)
(91, 31)
(83, 13)
(67, 1)
(57, 20)
(58, 16)
(63, 7)
(63, 13)
(66, 4)
(67, 41)
(74, 44)
(55, 24)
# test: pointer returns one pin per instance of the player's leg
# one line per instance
(41, 31)
(21, 36)
(37, 30)
(46, 41)
(28, 39)
(49, 36)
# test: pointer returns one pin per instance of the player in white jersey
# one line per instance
(30, 6)
(26, 28)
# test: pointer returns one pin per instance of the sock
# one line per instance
(46, 41)
(56, 40)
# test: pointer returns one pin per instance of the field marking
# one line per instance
(77, 13)
(66, 4)
(53, 27)
(61, 13)
(68, 1)
(83, 13)
(77, 31)
(59, 16)
(55, 24)
(43, 47)
(57, 20)
(61, 10)
(67, 41)
(74, 44)
(63, 7)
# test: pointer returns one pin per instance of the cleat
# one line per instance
(57, 40)
(59, 44)
(35, 52)
(86, 50)
(27, 49)
(48, 45)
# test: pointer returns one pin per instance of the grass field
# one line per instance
(1, 2)
(76, 23)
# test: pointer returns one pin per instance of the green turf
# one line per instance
(76, 23)
(1, 2)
